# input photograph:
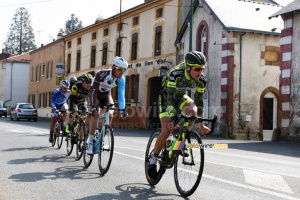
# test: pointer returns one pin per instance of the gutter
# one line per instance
(11, 75)
(240, 81)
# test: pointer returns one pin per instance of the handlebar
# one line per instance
(180, 116)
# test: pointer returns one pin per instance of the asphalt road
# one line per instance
(31, 169)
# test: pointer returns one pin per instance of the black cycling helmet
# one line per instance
(73, 80)
(195, 59)
(92, 73)
(87, 78)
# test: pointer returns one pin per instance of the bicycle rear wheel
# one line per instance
(79, 142)
(149, 154)
(106, 149)
(188, 170)
(70, 144)
(54, 138)
(60, 137)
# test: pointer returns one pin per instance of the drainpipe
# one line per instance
(10, 82)
(240, 81)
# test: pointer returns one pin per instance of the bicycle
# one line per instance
(188, 162)
(103, 142)
(58, 133)
(74, 136)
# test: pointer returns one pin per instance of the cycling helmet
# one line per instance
(65, 84)
(73, 80)
(92, 73)
(87, 78)
(120, 62)
(195, 59)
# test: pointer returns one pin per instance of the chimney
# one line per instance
(2, 50)
(59, 35)
(98, 20)
(42, 45)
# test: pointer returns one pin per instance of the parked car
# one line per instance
(24, 111)
(3, 109)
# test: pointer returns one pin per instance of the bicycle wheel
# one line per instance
(87, 158)
(60, 137)
(106, 150)
(70, 144)
(54, 137)
(79, 142)
(188, 169)
(149, 154)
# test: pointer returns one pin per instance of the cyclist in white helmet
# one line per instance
(100, 94)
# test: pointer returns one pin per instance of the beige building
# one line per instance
(42, 76)
(145, 39)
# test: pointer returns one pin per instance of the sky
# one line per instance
(48, 16)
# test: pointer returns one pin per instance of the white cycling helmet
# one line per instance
(120, 62)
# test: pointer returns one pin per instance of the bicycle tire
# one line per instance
(149, 153)
(54, 138)
(186, 175)
(60, 137)
(80, 142)
(87, 158)
(106, 145)
(69, 144)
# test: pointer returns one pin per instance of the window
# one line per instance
(134, 82)
(105, 32)
(37, 73)
(93, 56)
(120, 27)
(78, 41)
(118, 47)
(159, 12)
(32, 68)
(94, 36)
(158, 35)
(69, 44)
(134, 46)
(203, 41)
(69, 63)
(135, 21)
(43, 70)
(104, 54)
(49, 70)
(42, 100)
(78, 60)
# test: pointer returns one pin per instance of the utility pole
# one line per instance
(191, 27)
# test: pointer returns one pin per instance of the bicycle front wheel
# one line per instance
(188, 166)
(80, 142)
(106, 150)
(149, 154)
(70, 144)
(60, 137)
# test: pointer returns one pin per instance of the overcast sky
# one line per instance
(48, 16)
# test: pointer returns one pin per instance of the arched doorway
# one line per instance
(155, 85)
(269, 115)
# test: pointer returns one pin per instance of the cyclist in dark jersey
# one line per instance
(79, 92)
(175, 84)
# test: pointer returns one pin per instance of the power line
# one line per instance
(24, 3)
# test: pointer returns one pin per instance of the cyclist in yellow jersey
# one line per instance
(175, 84)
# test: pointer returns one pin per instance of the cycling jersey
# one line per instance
(78, 94)
(174, 87)
(103, 83)
(59, 98)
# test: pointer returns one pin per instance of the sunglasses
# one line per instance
(121, 69)
(65, 88)
(198, 69)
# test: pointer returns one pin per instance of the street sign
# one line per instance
(60, 68)
(58, 80)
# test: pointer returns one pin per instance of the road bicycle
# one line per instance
(188, 162)
(103, 142)
(74, 135)
(59, 129)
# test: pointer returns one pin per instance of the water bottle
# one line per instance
(169, 142)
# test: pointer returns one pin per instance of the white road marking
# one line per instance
(271, 181)
(227, 181)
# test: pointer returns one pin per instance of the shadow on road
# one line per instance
(133, 191)
(26, 149)
(71, 173)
